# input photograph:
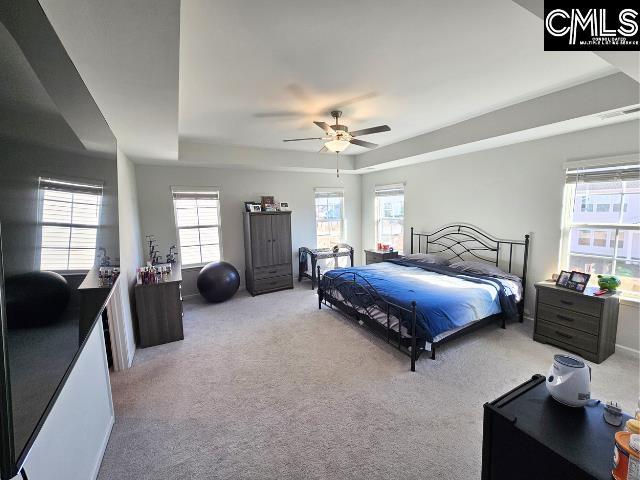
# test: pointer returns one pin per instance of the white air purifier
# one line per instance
(569, 380)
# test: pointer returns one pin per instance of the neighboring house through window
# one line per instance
(329, 217)
(601, 226)
(69, 218)
(197, 213)
(389, 215)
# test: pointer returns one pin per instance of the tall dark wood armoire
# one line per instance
(267, 247)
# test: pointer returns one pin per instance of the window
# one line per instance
(198, 223)
(69, 218)
(329, 217)
(601, 228)
(390, 216)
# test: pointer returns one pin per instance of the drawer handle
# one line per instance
(562, 334)
(272, 271)
(566, 302)
(562, 317)
(273, 283)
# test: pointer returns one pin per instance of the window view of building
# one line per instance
(602, 234)
(329, 217)
(390, 216)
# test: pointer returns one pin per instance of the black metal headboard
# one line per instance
(465, 242)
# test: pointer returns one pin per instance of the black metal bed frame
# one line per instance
(456, 241)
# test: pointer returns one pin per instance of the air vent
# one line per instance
(618, 113)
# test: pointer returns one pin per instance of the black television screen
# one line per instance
(58, 219)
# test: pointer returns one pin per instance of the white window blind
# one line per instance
(70, 216)
(329, 217)
(198, 223)
(389, 209)
(601, 225)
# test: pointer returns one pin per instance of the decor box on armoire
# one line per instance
(267, 244)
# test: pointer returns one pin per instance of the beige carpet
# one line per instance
(271, 388)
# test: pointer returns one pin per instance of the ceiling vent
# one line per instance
(618, 113)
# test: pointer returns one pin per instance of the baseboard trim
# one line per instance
(103, 448)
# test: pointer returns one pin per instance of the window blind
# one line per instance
(198, 224)
(389, 190)
(603, 174)
(70, 216)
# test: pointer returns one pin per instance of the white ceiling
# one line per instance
(430, 64)
(206, 71)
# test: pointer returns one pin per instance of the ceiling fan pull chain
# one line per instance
(337, 165)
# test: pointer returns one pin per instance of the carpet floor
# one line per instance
(273, 388)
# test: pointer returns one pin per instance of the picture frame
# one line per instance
(247, 205)
(574, 280)
(256, 208)
(266, 200)
(563, 278)
(284, 207)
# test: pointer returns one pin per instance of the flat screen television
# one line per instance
(58, 220)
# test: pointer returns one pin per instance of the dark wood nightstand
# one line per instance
(377, 256)
(579, 322)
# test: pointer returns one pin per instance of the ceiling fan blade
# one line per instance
(282, 113)
(362, 143)
(349, 101)
(323, 149)
(298, 139)
(326, 127)
(368, 131)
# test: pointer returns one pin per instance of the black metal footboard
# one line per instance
(355, 297)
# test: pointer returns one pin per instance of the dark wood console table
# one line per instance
(316, 254)
(529, 436)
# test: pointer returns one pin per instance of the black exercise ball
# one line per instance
(35, 299)
(218, 281)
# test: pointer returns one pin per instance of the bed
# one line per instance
(455, 280)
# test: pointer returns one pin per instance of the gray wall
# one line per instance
(236, 186)
(507, 191)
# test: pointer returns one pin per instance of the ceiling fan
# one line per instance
(338, 137)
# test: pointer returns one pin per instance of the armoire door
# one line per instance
(261, 240)
(281, 226)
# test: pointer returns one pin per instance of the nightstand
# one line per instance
(578, 322)
(377, 256)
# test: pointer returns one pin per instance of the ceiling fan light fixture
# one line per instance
(337, 146)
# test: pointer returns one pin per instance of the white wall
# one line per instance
(507, 191)
(236, 187)
(74, 436)
(130, 246)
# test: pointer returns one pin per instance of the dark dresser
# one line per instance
(267, 251)
(578, 322)
(376, 256)
(159, 308)
(527, 435)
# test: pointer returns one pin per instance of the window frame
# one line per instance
(330, 191)
(74, 185)
(569, 204)
(388, 187)
(197, 191)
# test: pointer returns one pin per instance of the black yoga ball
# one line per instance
(218, 281)
(35, 299)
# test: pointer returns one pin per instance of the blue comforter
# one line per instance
(446, 299)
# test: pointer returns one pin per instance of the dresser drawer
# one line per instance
(568, 318)
(571, 301)
(272, 271)
(273, 283)
(568, 336)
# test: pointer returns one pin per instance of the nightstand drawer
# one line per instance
(568, 336)
(571, 301)
(568, 318)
